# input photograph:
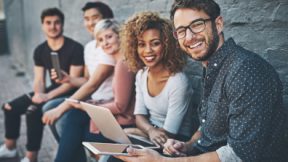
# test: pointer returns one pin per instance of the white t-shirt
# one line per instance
(93, 57)
(168, 109)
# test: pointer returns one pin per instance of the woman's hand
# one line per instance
(51, 116)
(157, 136)
(76, 105)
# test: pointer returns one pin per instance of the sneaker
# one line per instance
(25, 159)
(6, 153)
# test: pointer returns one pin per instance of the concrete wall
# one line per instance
(258, 25)
(2, 15)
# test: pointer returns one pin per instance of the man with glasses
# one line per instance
(242, 117)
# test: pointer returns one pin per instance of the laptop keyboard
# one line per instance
(139, 142)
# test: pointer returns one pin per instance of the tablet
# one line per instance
(56, 64)
(109, 148)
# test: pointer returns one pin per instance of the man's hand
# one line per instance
(65, 76)
(157, 136)
(175, 148)
(51, 116)
(141, 155)
(39, 98)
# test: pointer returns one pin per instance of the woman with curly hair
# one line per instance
(162, 89)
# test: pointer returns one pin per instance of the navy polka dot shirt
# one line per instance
(242, 106)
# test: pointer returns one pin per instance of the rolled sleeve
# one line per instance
(226, 154)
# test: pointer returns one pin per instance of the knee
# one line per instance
(7, 107)
(33, 112)
(47, 106)
(52, 104)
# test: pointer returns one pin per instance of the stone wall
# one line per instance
(258, 25)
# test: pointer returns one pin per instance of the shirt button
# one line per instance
(202, 101)
(207, 77)
(215, 64)
(199, 141)
(203, 120)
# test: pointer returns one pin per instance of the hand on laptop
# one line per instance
(157, 136)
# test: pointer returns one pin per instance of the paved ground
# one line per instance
(12, 84)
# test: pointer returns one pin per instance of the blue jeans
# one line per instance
(76, 130)
(58, 126)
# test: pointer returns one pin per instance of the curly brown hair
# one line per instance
(173, 58)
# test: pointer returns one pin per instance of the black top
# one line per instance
(242, 106)
(71, 53)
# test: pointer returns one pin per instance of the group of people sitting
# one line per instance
(136, 71)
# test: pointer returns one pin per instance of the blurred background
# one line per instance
(259, 25)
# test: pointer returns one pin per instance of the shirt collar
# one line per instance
(217, 58)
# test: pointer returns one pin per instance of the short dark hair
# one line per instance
(210, 7)
(52, 12)
(103, 8)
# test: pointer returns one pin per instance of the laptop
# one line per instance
(111, 129)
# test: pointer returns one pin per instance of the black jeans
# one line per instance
(24, 105)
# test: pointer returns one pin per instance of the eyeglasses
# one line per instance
(195, 27)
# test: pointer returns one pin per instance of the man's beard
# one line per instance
(213, 42)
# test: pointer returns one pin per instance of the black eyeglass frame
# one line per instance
(189, 27)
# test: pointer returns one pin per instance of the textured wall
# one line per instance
(258, 25)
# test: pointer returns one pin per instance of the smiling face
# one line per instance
(91, 18)
(108, 40)
(202, 45)
(52, 26)
(150, 47)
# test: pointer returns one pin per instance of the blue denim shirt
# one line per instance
(242, 105)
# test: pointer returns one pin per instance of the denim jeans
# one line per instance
(58, 126)
(76, 130)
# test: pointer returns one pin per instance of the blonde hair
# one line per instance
(106, 24)
(173, 58)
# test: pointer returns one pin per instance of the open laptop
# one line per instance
(111, 129)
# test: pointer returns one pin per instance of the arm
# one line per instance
(206, 157)
(254, 94)
(79, 81)
(178, 148)
(75, 71)
(101, 73)
(39, 79)
(39, 85)
(157, 135)
(123, 88)
(148, 155)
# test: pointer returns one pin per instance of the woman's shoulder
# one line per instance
(179, 77)
(142, 73)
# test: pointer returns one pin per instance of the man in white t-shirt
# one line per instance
(93, 12)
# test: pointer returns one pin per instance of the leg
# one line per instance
(73, 132)
(12, 113)
(34, 132)
(57, 127)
